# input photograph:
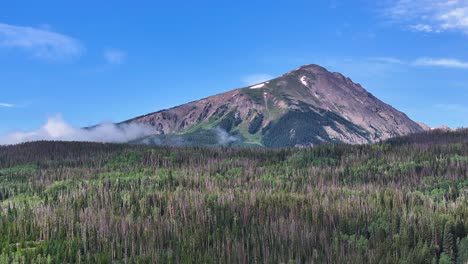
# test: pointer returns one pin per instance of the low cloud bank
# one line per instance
(57, 129)
(219, 137)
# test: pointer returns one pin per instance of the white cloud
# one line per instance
(434, 62)
(455, 19)
(116, 57)
(7, 105)
(256, 78)
(57, 129)
(42, 43)
(447, 63)
(223, 136)
(422, 28)
(430, 15)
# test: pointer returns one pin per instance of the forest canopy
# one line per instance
(399, 201)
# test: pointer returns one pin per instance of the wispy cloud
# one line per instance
(41, 43)
(6, 105)
(430, 16)
(423, 28)
(427, 61)
(114, 56)
(447, 63)
(256, 78)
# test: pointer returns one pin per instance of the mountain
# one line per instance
(443, 128)
(304, 107)
(424, 126)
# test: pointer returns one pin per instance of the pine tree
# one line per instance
(448, 246)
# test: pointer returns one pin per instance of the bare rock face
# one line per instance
(304, 107)
(424, 126)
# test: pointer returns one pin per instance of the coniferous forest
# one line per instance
(399, 201)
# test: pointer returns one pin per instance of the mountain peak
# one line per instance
(313, 68)
(306, 106)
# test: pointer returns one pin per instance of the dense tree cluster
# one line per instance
(400, 201)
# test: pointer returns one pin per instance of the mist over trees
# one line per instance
(399, 201)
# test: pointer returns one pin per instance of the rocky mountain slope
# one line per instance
(307, 106)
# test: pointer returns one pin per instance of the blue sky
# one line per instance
(97, 61)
